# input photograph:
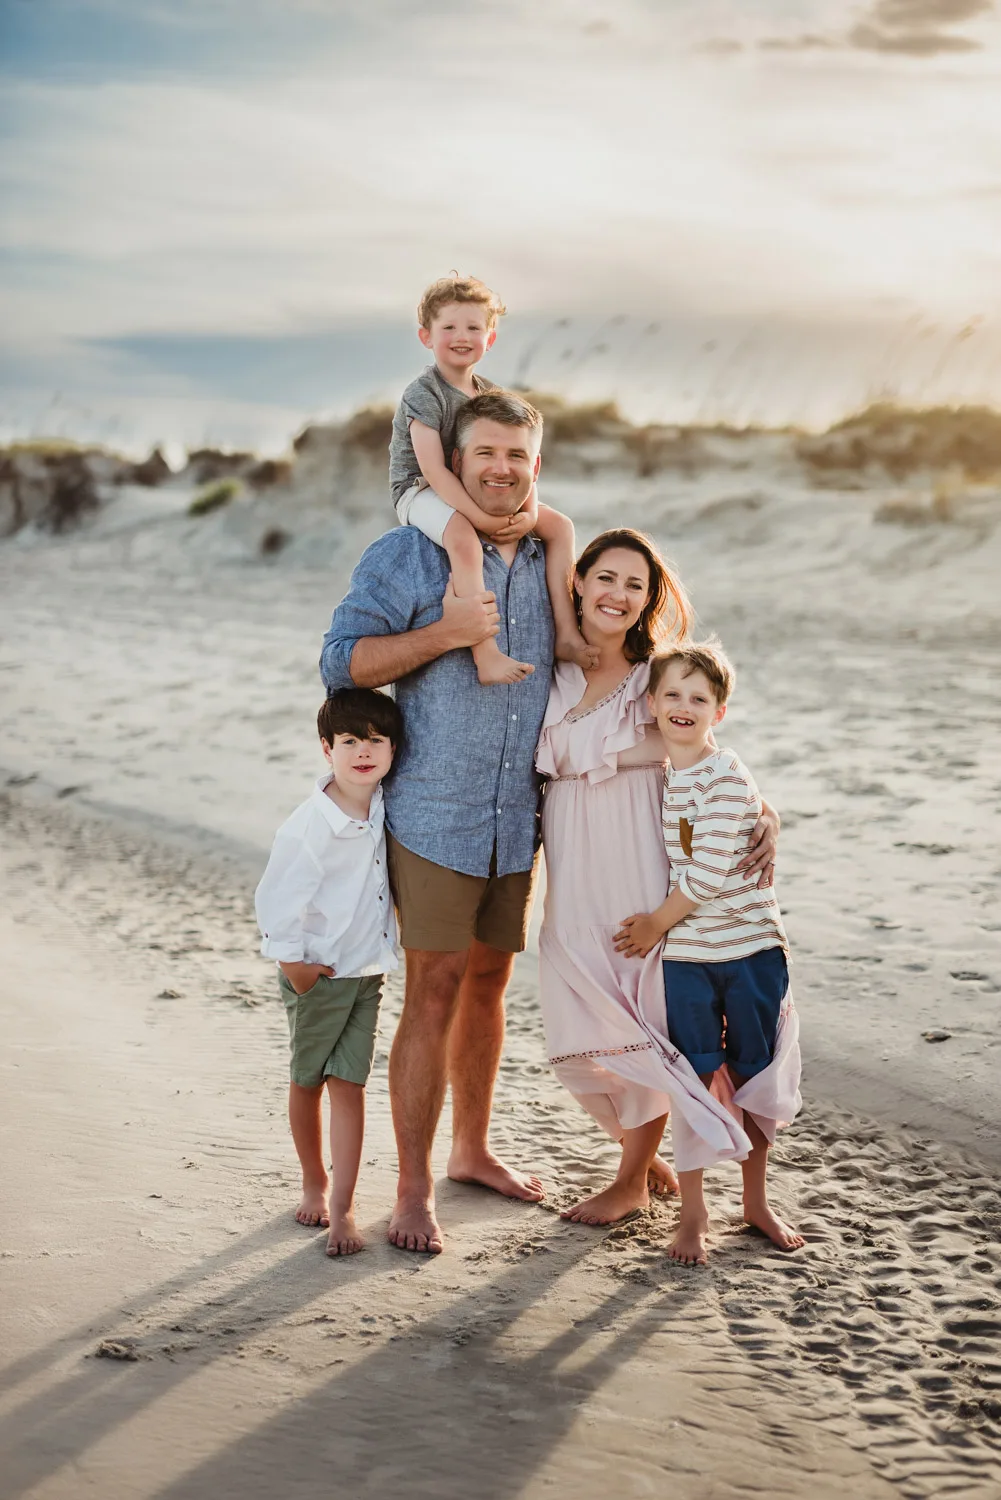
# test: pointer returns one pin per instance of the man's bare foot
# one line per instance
(778, 1231)
(660, 1179)
(414, 1226)
(689, 1244)
(574, 648)
(312, 1211)
(608, 1207)
(487, 1171)
(498, 669)
(344, 1238)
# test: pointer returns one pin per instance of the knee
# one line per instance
(488, 972)
(558, 527)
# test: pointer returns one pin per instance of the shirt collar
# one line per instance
(343, 825)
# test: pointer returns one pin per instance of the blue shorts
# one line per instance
(727, 1012)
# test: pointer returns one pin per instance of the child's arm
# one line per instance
(430, 455)
(639, 933)
(715, 831)
(287, 886)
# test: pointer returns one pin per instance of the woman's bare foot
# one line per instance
(780, 1233)
(344, 1238)
(414, 1226)
(574, 648)
(493, 668)
(611, 1205)
(312, 1211)
(661, 1179)
(689, 1244)
(486, 1170)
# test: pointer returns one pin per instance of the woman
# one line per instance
(604, 1014)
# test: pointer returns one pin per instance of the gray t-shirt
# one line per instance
(430, 399)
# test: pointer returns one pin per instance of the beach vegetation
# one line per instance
(214, 496)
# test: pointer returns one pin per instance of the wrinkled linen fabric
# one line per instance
(604, 1014)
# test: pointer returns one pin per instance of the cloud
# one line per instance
(910, 28)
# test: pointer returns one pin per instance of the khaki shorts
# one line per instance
(441, 911)
(332, 1028)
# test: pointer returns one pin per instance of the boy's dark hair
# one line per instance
(362, 712)
(706, 657)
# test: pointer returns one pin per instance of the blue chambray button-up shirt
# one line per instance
(465, 784)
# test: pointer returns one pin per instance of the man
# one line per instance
(461, 805)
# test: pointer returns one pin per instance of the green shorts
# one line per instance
(332, 1028)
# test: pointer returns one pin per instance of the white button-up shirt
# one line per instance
(324, 897)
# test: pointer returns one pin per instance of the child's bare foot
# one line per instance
(688, 1247)
(344, 1238)
(780, 1233)
(312, 1211)
(494, 669)
(660, 1179)
(574, 648)
(608, 1207)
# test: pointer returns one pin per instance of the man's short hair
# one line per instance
(707, 657)
(458, 289)
(506, 407)
(362, 712)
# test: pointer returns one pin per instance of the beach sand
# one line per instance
(168, 1330)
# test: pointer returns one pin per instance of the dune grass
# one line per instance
(214, 496)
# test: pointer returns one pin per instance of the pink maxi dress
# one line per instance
(604, 1014)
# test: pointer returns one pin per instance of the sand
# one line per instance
(168, 1330)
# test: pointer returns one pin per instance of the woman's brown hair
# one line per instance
(667, 614)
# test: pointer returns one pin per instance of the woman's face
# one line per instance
(613, 593)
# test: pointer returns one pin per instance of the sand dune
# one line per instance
(158, 684)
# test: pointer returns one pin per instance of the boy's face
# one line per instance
(685, 707)
(459, 335)
(358, 762)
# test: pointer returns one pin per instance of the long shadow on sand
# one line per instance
(464, 1403)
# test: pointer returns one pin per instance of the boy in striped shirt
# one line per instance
(725, 949)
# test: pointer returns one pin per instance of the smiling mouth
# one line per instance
(363, 768)
(682, 723)
(609, 609)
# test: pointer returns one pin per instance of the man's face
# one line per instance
(498, 465)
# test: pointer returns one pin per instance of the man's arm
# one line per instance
(370, 643)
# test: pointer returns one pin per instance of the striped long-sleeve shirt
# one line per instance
(709, 813)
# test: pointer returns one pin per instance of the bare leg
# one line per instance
(347, 1130)
(474, 1051)
(417, 1074)
(466, 557)
(629, 1191)
(689, 1244)
(757, 1209)
(556, 530)
(305, 1117)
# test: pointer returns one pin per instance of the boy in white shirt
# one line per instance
(725, 950)
(326, 914)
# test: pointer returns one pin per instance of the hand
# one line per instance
(760, 857)
(467, 622)
(302, 977)
(637, 935)
(515, 527)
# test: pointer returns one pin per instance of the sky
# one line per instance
(216, 218)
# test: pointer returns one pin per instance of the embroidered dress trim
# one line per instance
(572, 718)
(602, 1052)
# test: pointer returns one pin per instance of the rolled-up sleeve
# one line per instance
(287, 886)
(378, 602)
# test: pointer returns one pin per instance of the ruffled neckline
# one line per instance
(596, 748)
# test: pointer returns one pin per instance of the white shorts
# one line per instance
(421, 507)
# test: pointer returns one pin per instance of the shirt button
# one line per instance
(507, 765)
(499, 811)
(512, 622)
(514, 716)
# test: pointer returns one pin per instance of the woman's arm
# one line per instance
(760, 857)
